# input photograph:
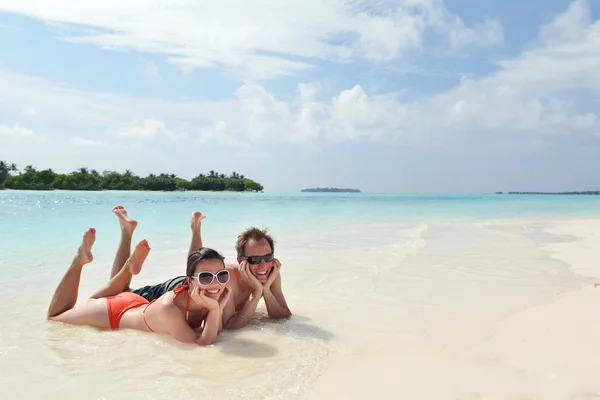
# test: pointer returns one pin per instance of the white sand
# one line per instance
(420, 310)
(549, 351)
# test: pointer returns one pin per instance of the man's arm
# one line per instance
(273, 295)
(243, 317)
(243, 276)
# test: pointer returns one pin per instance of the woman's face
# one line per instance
(211, 277)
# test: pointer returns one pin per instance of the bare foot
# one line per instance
(138, 257)
(196, 220)
(127, 224)
(85, 249)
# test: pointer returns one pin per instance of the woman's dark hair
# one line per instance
(202, 254)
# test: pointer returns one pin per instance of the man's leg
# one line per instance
(65, 295)
(196, 225)
(152, 292)
(128, 225)
(131, 267)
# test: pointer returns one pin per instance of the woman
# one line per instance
(206, 290)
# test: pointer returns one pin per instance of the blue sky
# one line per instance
(385, 96)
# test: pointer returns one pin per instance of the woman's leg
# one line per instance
(196, 225)
(94, 313)
(132, 266)
(128, 225)
(65, 295)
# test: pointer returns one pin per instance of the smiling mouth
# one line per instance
(261, 273)
(212, 291)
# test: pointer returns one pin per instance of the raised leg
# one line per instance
(65, 295)
(128, 225)
(132, 266)
(196, 225)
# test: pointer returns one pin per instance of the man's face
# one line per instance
(258, 248)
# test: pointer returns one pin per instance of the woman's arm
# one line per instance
(211, 328)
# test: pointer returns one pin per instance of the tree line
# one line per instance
(85, 179)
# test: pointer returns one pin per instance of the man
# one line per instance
(256, 276)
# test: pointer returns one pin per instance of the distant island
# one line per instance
(586, 192)
(335, 190)
(85, 179)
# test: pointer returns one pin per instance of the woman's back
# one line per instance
(167, 315)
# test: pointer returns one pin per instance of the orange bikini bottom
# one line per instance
(119, 304)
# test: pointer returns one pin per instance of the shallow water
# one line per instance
(363, 274)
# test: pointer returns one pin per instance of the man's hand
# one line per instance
(202, 300)
(273, 275)
(274, 299)
(250, 279)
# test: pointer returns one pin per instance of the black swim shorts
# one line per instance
(153, 292)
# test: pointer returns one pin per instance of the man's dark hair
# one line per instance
(252, 234)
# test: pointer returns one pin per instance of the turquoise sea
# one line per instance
(53, 219)
(426, 262)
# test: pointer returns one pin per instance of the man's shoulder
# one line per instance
(234, 269)
(232, 266)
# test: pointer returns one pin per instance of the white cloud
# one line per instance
(570, 26)
(30, 112)
(567, 57)
(16, 130)
(218, 133)
(151, 71)
(531, 94)
(149, 128)
(258, 39)
(78, 141)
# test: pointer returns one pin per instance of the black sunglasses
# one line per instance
(258, 259)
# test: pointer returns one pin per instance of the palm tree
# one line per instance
(29, 168)
(13, 168)
(83, 170)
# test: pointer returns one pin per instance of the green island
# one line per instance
(331, 190)
(84, 179)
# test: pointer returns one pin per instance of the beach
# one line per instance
(542, 349)
(447, 297)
